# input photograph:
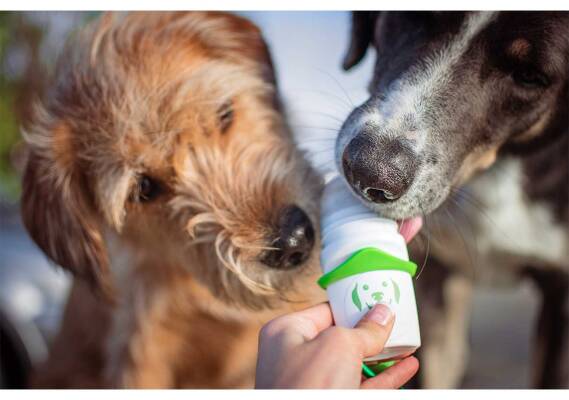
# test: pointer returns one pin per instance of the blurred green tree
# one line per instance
(20, 79)
(27, 53)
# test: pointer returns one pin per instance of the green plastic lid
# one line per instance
(370, 371)
(382, 366)
(366, 260)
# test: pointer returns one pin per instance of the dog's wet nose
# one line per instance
(379, 170)
(294, 242)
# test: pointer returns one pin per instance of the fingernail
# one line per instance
(380, 314)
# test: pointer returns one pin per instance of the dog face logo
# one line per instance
(387, 292)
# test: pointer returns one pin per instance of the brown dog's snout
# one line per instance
(294, 241)
(380, 170)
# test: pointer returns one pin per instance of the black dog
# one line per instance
(469, 112)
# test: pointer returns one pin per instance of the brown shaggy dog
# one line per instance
(162, 175)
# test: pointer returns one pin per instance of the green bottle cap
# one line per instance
(372, 370)
(366, 260)
(382, 366)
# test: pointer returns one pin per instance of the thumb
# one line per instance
(374, 329)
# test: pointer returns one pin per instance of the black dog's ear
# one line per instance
(363, 24)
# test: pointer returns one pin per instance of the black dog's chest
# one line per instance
(493, 228)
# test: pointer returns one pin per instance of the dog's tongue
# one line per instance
(410, 227)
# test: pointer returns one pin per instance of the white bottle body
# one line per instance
(348, 226)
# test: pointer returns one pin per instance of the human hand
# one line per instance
(303, 350)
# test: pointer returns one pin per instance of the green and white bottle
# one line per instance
(365, 262)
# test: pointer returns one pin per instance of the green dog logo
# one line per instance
(388, 293)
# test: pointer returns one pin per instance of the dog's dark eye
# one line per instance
(148, 189)
(530, 78)
(225, 116)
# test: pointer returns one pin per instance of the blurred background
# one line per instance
(307, 48)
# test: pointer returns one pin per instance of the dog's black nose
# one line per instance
(379, 170)
(294, 241)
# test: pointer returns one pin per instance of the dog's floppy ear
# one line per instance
(363, 24)
(240, 39)
(57, 210)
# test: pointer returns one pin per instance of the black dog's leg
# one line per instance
(443, 300)
(551, 354)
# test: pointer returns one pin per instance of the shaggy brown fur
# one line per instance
(159, 165)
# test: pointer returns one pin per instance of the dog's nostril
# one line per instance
(294, 242)
(379, 196)
(296, 258)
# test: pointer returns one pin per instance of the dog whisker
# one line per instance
(464, 242)
(315, 153)
(474, 259)
(315, 127)
(427, 252)
(338, 84)
(320, 138)
(346, 107)
(478, 207)
(321, 113)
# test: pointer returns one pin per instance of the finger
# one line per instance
(304, 325)
(394, 377)
(373, 330)
(319, 315)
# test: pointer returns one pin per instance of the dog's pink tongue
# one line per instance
(410, 227)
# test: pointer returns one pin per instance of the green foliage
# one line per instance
(9, 132)
(20, 34)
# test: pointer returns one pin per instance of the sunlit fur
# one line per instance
(137, 95)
